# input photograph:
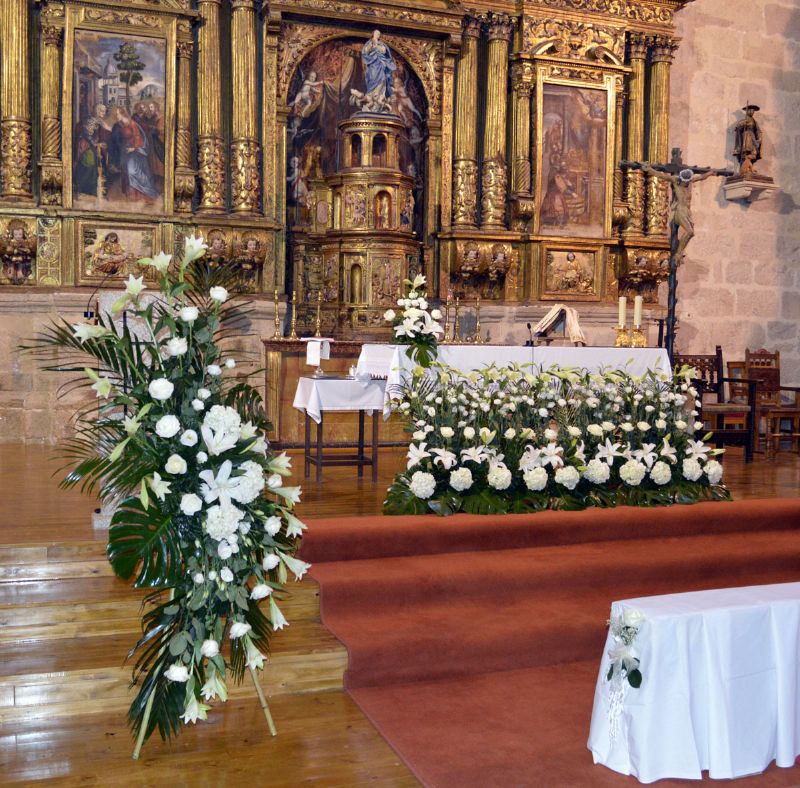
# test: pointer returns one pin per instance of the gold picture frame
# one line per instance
(107, 250)
(144, 183)
(571, 272)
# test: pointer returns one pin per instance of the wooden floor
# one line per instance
(66, 624)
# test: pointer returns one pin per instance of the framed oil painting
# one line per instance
(571, 274)
(574, 154)
(118, 121)
(109, 251)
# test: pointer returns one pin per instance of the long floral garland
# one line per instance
(202, 516)
(519, 439)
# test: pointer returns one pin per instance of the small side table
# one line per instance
(315, 396)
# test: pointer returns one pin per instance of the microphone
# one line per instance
(530, 341)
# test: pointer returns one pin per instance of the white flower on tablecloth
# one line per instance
(209, 648)
(239, 629)
(535, 478)
(175, 465)
(161, 389)
(713, 470)
(661, 473)
(191, 504)
(177, 672)
(177, 346)
(632, 617)
(422, 484)
(568, 477)
(632, 473)
(597, 471)
(461, 479)
(499, 477)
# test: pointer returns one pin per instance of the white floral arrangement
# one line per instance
(624, 661)
(517, 439)
(416, 325)
(203, 516)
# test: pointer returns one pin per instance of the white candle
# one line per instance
(637, 311)
(622, 306)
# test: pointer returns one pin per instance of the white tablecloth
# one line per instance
(315, 395)
(720, 689)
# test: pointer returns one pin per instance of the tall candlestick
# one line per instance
(623, 303)
(446, 337)
(637, 311)
(318, 331)
(478, 337)
(456, 328)
(278, 335)
(293, 334)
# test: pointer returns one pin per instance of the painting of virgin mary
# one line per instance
(379, 67)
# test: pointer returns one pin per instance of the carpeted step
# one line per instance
(348, 539)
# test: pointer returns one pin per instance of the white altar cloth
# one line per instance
(315, 395)
(720, 689)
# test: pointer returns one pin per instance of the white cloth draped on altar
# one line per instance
(721, 672)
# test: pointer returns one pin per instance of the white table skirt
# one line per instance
(316, 395)
(720, 689)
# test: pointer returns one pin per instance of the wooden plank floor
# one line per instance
(66, 624)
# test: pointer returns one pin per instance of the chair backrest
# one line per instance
(737, 392)
(708, 366)
(765, 367)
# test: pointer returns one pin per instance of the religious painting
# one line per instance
(573, 161)
(118, 133)
(571, 275)
(111, 251)
(334, 81)
(18, 251)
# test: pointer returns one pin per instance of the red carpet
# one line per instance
(474, 642)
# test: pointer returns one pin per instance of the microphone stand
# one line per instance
(531, 341)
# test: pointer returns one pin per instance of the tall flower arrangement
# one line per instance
(416, 325)
(202, 517)
(518, 439)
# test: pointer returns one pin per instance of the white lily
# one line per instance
(278, 619)
(416, 454)
(608, 451)
(159, 487)
(219, 441)
(214, 687)
(531, 458)
(697, 450)
(444, 458)
(551, 455)
(669, 451)
(646, 454)
(84, 331)
(194, 711)
(297, 567)
(160, 262)
(193, 248)
(219, 486)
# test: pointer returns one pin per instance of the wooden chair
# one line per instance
(715, 407)
(771, 407)
(737, 392)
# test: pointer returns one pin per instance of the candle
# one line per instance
(623, 302)
(637, 311)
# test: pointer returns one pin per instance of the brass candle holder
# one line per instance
(478, 340)
(318, 325)
(278, 335)
(293, 333)
(456, 340)
(623, 337)
(446, 337)
(637, 338)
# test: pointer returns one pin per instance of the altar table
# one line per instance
(720, 689)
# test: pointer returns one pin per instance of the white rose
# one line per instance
(626, 426)
(550, 435)
(198, 405)
(596, 430)
(191, 504)
(499, 478)
(607, 426)
(661, 424)
(238, 629)
(189, 314)
(631, 617)
(212, 575)
(226, 574)
(597, 472)
(568, 477)
(224, 551)
(574, 432)
(661, 473)
(202, 457)
(260, 591)
(199, 577)
(418, 435)
(389, 315)
(175, 465)
(177, 346)
(461, 479)
(210, 648)
(272, 525)
(270, 561)
(218, 294)
(168, 426)
(214, 370)
(510, 433)
(203, 394)
(447, 432)
(188, 438)
(680, 424)
(230, 363)
(643, 426)
(161, 389)
(713, 471)
(177, 672)
(535, 479)
(422, 484)
(436, 314)
(632, 473)
(469, 433)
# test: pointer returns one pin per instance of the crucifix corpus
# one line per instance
(681, 177)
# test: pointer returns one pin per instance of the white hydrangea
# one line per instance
(568, 477)
(632, 473)
(250, 484)
(597, 471)
(461, 479)
(221, 417)
(222, 522)
(422, 484)
(499, 477)
(535, 479)
(661, 473)
(692, 469)
(713, 471)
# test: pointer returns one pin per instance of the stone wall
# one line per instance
(740, 284)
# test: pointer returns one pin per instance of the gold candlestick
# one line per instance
(456, 328)
(637, 338)
(623, 337)
(318, 331)
(446, 337)
(278, 335)
(293, 334)
(478, 340)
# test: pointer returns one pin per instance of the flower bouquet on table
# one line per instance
(520, 439)
(415, 325)
(202, 515)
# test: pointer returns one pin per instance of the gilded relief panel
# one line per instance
(571, 274)
(110, 250)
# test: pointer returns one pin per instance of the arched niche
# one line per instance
(355, 151)
(379, 151)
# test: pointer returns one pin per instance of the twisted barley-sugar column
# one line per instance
(619, 116)
(634, 144)
(184, 174)
(493, 172)
(522, 88)
(245, 150)
(15, 112)
(465, 159)
(661, 55)
(210, 146)
(50, 167)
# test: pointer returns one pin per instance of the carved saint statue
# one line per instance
(747, 144)
(18, 253)
(379, 67)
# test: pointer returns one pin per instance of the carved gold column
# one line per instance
(493, 173)
(634, 148)
(465, 164)
(15, 113)
(184, 174)
(619, 209)
(662, 52)
(245, 150)
(210, 146)
(448, 89)
(522, 82)
(50, 166)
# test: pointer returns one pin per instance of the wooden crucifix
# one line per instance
(681, 177)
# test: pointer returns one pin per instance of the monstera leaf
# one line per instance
(144, 538)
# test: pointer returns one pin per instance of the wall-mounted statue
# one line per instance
(379, 68)
(747, 141)
(17, 253)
